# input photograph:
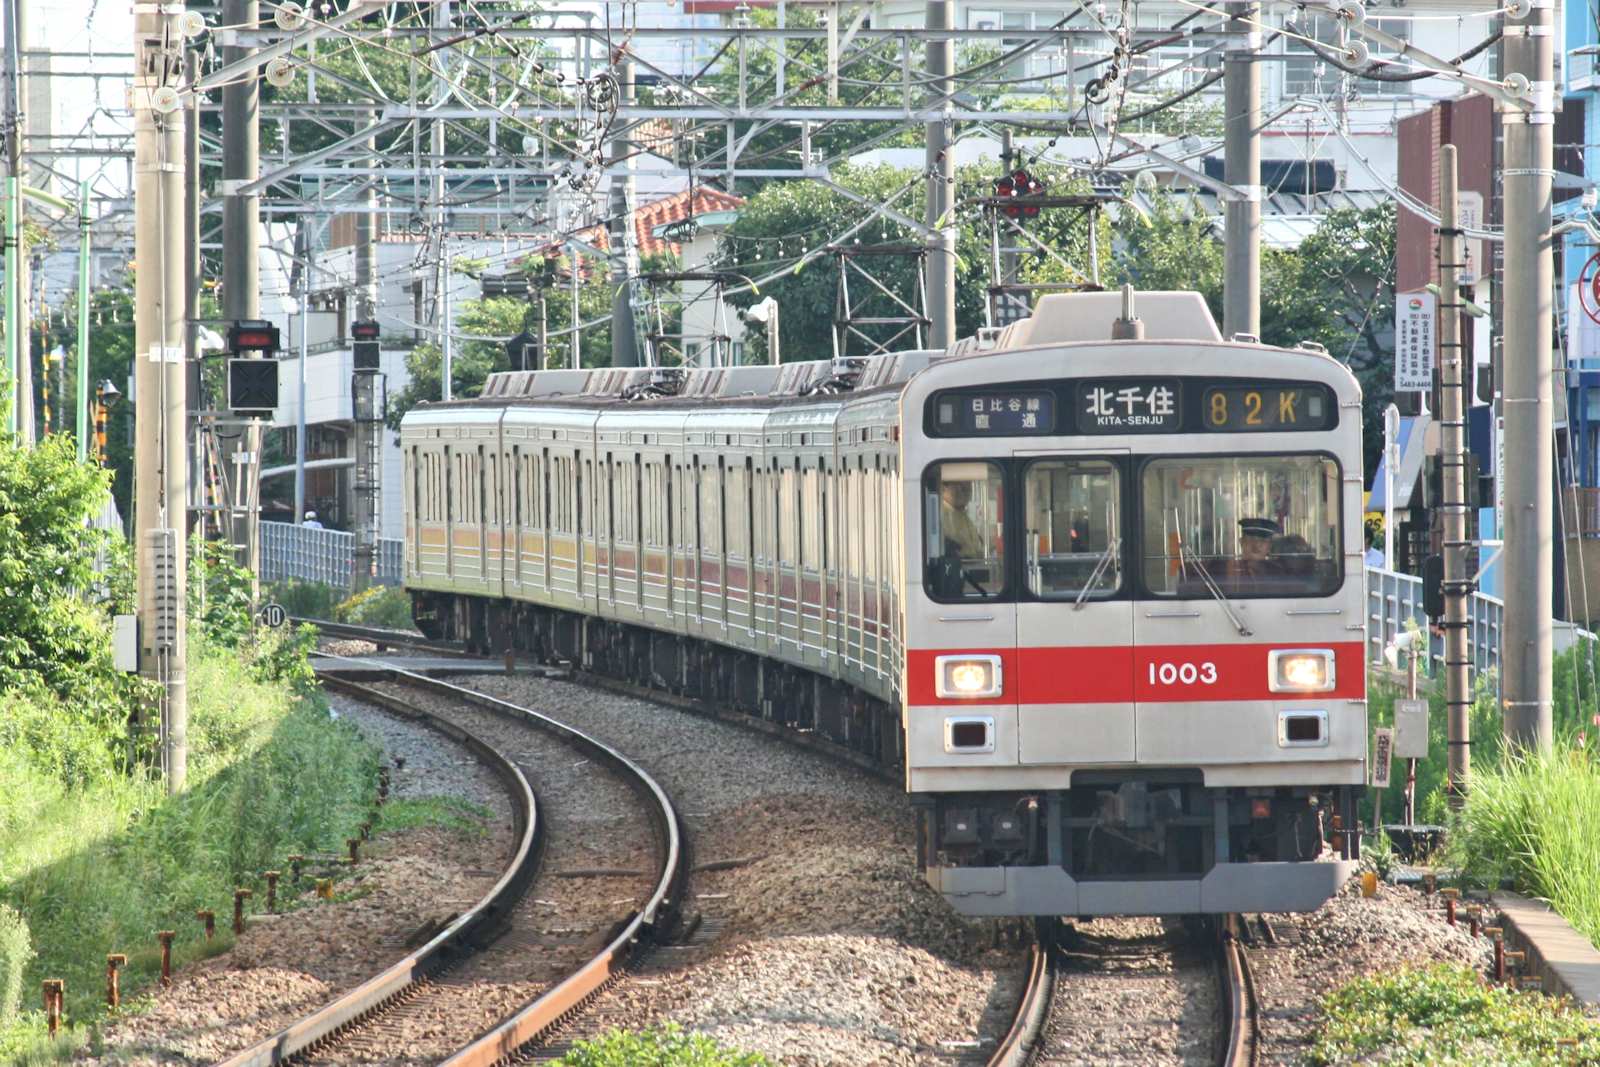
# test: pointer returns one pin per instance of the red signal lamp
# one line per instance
(364, 330)
(252, 335)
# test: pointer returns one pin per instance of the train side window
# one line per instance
(810, 518)
(1072, 536)
(711, 520)
(963, 508)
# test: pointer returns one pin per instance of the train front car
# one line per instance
(1135, 680)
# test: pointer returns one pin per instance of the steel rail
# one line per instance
(371, 996)
(381, 636)
(539, 1017)
(1024, 1038)
(1239, 1005)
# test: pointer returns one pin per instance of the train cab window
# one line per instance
(1242, 526)
(963, 507)
(1072, 537)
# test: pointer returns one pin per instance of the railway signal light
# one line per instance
(253, 335)
(364, 345)
(1018, 183)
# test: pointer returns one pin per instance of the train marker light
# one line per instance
(1301, 670)
(967, 677)
(969, 733)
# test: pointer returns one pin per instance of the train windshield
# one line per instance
(963, 516)
(1072, 538)
(1253, 526)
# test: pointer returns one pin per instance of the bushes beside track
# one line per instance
(1447, 1016)
(94, 857)
(98, 862)
(1528, 821)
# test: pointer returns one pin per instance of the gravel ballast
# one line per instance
(1349, 937)
(823, 944)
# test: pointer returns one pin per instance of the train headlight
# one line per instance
(967, 677)
(1301, 670)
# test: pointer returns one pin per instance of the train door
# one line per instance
(1074, 610)
(451, 459)
(809, 584)
(413, 498)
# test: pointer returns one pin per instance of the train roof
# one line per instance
(1057, 319)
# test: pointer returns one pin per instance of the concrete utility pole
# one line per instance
(367, 404)
(941, 172)
(159, 299)
(241, 284)
(1453, 466)
(84, 239)
(1529, 409)
(16, 41)
(441, 291)
(191, 289)
(624, 259)
(1241, 168)
(303, 250)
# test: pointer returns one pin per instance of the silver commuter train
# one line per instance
(1101, 599)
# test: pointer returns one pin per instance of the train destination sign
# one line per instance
(1128, 406)
(1002, 413)
(1252, 408)
(1133, 406)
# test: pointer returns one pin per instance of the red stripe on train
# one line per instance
(1120, 674)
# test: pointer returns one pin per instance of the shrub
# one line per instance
(668, 1046)
(379, 605)
(307, 600)
(15, 953)
(1447, 1015)
(96, 868)
(50, 635)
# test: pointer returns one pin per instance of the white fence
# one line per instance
(325, 556)
(1394, 598)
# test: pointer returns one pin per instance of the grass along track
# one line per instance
(372, 996)
(437, 991)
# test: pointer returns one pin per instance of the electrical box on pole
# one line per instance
(252, 386)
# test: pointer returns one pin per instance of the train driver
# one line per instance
(961, 538)
(1255, 548)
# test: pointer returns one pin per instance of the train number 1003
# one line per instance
(1183, 673)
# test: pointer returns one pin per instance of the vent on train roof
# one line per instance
(1064, 318)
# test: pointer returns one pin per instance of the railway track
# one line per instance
(1066, 968)
(1223, 968)
(361, 1023)
(383, 637)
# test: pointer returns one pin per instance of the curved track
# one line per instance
(368, 1003)
(1027, 1044)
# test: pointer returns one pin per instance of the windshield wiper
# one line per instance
(1112, 550)
(1209, 582)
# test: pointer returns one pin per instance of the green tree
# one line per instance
(1337, 289)
(472, 361)
(53, 635)
(1170, 248)
(785, 220)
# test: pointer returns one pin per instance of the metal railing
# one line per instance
(1393, 599)
(325, 556)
